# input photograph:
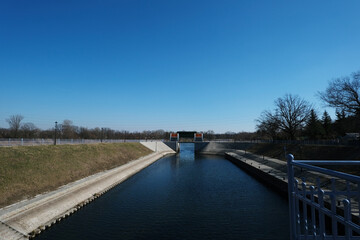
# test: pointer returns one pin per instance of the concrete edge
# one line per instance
(266, 174)
(220, 153)
(29, 218)
(274, 178)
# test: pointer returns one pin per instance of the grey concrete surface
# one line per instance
(270, 170)
(158, 146)
(173, 145)
(220, 147)
(28, 218)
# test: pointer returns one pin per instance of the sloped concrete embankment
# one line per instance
(173, 145)
(28, 218)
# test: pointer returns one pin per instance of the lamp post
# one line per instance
(55, 133)
(102, 135)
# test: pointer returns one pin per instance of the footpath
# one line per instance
(27, 218)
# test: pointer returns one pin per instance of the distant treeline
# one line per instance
(66, 130)
(292, 118)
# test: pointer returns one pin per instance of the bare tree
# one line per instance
(291, 113)
(15, 123)
(67, 129)
(268, 124)
(343, 94)
(209, 135)
(29, 129)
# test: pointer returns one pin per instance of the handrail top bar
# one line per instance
(334, 173)
(318, 223)
(328, 162)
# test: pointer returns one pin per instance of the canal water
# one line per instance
(182, 196)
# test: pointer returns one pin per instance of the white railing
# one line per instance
(310, 142)
(320, 212)
(34, 142)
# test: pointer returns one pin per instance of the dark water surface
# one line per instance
(181, 197)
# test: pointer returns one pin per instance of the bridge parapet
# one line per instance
(187, 136)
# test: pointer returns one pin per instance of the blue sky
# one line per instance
(172, 65)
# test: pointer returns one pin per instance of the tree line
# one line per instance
(67, 130)
(292, 118)
(295, 118)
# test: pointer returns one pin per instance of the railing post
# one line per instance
(321, 194)
(290, 168)
(347, 217)
(333, 208)
(305, 209)
(313, 219)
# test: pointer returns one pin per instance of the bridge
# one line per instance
(206, 147)
(187, 136)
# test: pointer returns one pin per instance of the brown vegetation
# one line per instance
(28, 171)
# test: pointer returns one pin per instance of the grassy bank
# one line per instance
(28, 171)
(310, 152)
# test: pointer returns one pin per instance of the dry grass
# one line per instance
(28, 171)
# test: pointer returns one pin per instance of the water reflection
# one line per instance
(187, 151)
(186, 155)
(181, 197)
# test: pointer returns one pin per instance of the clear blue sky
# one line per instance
(172, 65)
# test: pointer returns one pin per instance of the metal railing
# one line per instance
(327, 208)
(325, 142)
(36, 141)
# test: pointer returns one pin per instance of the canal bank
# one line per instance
(183, 196)
(273, 172)
(270, 171)
(28, 218)
(24, 219)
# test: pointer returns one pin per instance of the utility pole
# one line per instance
(55, 133)
(102, 135)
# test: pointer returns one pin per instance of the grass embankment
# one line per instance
(30, 170)
(310, 152)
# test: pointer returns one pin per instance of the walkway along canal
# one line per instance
(183, 196)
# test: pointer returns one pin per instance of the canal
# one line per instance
(183, 196)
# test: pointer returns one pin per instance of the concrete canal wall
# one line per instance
(212, 147)
(30, 217)
(27, 218)
(173, 145)
(273, 172)
(270, 171)
(220, 147)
